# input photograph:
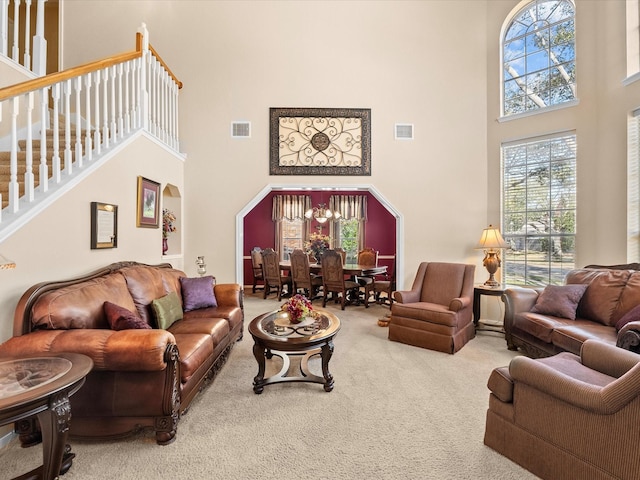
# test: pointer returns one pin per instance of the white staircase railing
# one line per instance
(78, 114)
(34, 50)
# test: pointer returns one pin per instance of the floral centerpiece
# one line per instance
(298, 307)
(168, 219)
(317, 244)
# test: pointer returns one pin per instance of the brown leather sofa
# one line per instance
(611, 293)
(568, 416)
(142, 378)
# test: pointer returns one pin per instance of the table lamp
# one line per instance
(491, 242)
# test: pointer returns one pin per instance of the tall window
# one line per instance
(348, 232)
(633, 187)
(292, 236)
(348, 238)
(539, 210)
(291, 226)
(538, 57)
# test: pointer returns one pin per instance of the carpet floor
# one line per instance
(396, 412)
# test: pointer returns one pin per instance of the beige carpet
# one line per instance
(396, 412)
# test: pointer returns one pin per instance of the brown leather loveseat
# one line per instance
(142, 377)
(608, 310)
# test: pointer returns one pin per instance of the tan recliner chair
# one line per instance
(569, 416)
(437, 313)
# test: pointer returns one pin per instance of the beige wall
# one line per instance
(56, 244)
(416, 62)
(599, 121)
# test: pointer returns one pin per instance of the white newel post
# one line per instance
(4, 27)
(40, 43)
(144, 94)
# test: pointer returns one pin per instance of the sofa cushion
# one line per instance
(539, 325)
(120, 318)
(559, 300)
(167, 310)
(632, 315)
(81, 305)
(145, 284)
(602, 298)
(571, 336)
(197, 293)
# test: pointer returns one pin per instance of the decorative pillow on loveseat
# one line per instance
(197, 293)
(120, 318)
(167, 310)
(560, 300)
(631, 316)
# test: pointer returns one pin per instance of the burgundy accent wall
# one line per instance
(259, 229)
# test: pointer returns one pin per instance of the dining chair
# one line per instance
(367, 257)
(385, 283)
(333, 280)
(343, 254)
(256, 264)
(273, 278)
(301, 275)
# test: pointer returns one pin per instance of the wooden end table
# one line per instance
(41, 386)
(273, 334)
(480, 290)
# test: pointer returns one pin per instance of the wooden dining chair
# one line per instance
(273, 278)
(385, 283)
(333, 280)
(256, 265)
(301, 275)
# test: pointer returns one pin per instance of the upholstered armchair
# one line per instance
(437, 312)
(568, 416)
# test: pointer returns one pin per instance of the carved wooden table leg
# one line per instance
(327, 352)
(258, 380)
(54, 423)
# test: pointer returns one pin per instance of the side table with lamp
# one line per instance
(491, 242)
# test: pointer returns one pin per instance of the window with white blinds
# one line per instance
(539, 209)
(633, 187)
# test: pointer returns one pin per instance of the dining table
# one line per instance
(349, 269)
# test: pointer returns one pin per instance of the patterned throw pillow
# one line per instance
(560, 300)
(120, 318)
(197, 293)
(167, 310)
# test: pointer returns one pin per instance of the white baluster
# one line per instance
(88, 147)
(176, 136)
(114, 131)
(105, 108)
(165, 86)
(78, 109)
(28, 174)
(40, 43)
(44, 168)
(14, 188)
(153, 97)
(120, 115)
(135, 93)
(127, 106)
(55, 162)
(97, 141)
(27, 35)
(143, 87)
(4, 29)
(68, 158)
(16, 30)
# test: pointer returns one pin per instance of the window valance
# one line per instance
(290, 207)
(349, 206)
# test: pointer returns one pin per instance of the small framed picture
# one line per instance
(104, 225)
(148, 203)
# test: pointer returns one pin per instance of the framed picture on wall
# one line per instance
(104, 225)
(148, 214)
(320, 141)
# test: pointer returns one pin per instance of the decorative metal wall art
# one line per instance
(320, 141)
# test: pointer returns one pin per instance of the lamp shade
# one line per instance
(491, 239)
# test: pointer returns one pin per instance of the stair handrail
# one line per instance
(53, 78)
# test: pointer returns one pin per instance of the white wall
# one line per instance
(416, 62)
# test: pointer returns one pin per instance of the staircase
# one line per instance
(110, 99)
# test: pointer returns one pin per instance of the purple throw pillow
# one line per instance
(197, 293)
(120, 318)
(560, 300)
(631, 316)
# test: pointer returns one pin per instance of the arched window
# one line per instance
(538, 56)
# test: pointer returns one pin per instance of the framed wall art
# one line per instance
(320, 141)
(148, 203)
(104, 225)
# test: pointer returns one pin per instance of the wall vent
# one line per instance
(404, 131)
(240, 129)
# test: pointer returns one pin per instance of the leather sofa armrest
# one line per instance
(594, 398)
(124, 350)
(517, 300)
(458, 304)
(228, 294)
(607, 358)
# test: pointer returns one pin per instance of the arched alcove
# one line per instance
(270, 188)
(172, 200)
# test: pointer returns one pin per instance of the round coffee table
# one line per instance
(273, 334)
(42, 386)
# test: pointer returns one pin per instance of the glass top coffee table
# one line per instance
(273, 334)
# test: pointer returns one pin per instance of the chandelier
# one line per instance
(321, 213)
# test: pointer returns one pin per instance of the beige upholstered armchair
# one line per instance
(569, 416)
(437, 312)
